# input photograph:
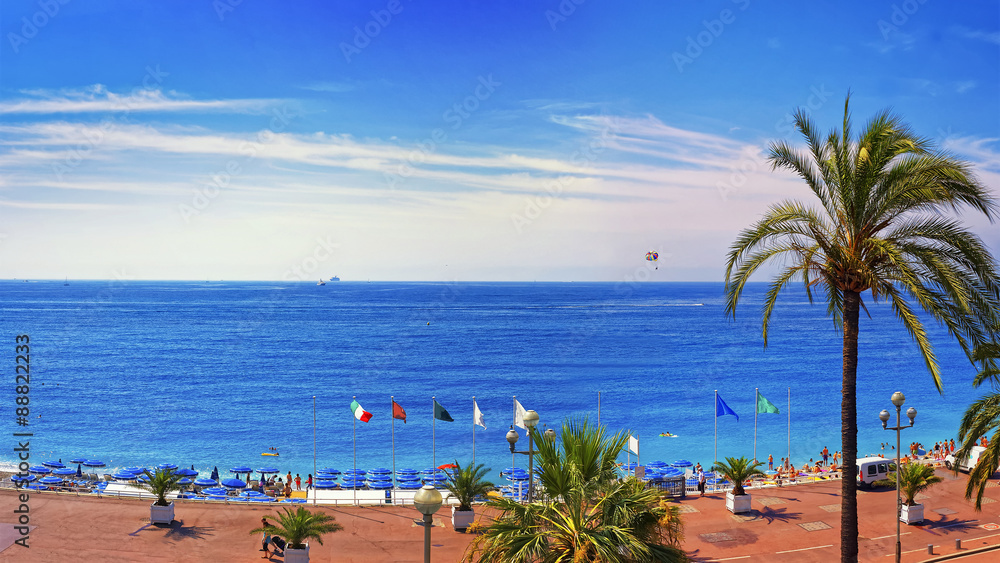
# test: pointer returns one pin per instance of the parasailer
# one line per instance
(652, 256)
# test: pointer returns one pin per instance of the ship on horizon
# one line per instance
(335, 278)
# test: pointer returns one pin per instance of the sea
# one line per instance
(213, 374)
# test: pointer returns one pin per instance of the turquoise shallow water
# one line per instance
(213, 374)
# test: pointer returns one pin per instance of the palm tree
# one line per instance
(982, 418)
(914, 478)
(737, 470)
(301, 525)
(160, 483)
(878, 228)
(594, 517)
(467, 483)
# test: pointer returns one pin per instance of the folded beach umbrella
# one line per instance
(79, 473)
(53, 464)
(215, 473)
(233, 484)
(203, 482)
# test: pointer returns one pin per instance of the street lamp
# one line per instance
(897, 401)
(530, 421)
(427, 501)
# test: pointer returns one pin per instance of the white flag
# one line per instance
(477, 415)
(633, 444)
(519, 415)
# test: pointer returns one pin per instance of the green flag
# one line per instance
(763, 405)
(441, 414)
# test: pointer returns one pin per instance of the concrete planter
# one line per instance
(161, 514)
(737, 504)
(297, 555)
(462, 519)
(911, 514)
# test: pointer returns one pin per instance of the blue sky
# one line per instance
(405, 140)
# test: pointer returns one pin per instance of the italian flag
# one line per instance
(360, 413)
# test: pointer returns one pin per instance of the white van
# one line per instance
(965, 464)
(871, 469)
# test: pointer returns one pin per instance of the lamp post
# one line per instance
(530, 421)
(427, 501)
(897, 400)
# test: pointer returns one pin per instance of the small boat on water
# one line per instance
(335, 278)
(321, 282)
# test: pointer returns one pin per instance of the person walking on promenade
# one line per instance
(701, 483)
(298, 482)
(770, 462)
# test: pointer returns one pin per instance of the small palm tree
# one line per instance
(467, 483)
(161, 483)
(914, 478)
(737, 470)
(982, 418)
(301, 525)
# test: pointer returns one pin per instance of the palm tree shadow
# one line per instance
(771, 515)
(945, 525)
(177, 530)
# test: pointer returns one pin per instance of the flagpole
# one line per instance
(789, 458)
(716, 462)
(314, 446)
(433, 438)
(756, 398)
(513, 419)
(354, 431)
(473, 431)
(598, 408)
(392, 401)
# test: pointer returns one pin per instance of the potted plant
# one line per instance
(466, 484)
(161, 483)
(737, 470)
(297, 526)
(913, 479)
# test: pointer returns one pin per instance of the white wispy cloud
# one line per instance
(98, 99)
(979, 35)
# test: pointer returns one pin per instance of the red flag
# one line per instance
(398, 412)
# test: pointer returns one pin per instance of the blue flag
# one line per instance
(721, 408)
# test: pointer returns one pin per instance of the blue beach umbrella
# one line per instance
(407, 471)
(233, 484)
(326, 484)
(185, 472)
(185, 481)
(329, 470)
(410, 485)
(124, 476)
(241, 469)
(134, 469)
(215, 491)
(50, 480)
(682, 463)
(380, 485)
(266, 470)
(64, 471)
(408, 479)
(40, 469)
(203, 482)
(24, 478)
(53, 464)
(215, 474)
(78, 460)
(167, 466)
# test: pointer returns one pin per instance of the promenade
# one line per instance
(794, 523)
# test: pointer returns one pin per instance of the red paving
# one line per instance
(795, 524)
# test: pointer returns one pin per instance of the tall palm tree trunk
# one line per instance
(849, 431)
